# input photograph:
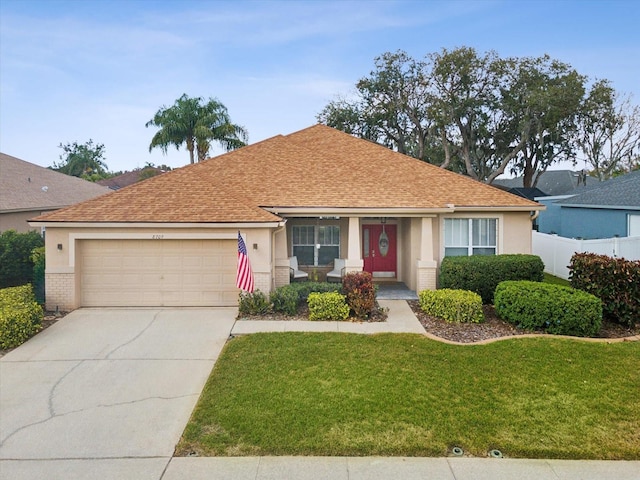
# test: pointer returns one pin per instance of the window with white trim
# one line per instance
(305, 239)
(470, 236)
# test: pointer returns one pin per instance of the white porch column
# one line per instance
(354, 262)
(427, 266)
(281, 258)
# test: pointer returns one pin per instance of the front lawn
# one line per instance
(406, 395)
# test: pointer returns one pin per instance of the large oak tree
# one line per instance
(481, 114)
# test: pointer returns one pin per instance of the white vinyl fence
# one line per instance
(556, 252)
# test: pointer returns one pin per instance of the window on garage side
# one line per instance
(305, 238)
(470, 236)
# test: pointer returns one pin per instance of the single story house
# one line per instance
(596, 210)
(28, 190)
(317, 194)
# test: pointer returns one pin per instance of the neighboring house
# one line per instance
(129, 178)
(28, 190)
(530, 193)
(595, 210)
(317, 194)
(551, 182)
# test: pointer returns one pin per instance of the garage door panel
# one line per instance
(158, 273)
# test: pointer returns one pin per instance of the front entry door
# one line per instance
(379, 250)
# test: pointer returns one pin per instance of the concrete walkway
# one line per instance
(105, 394)
(401, 319)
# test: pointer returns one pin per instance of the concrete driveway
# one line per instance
(106, 393)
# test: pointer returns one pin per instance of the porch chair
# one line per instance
(337, 273)
(294, 272)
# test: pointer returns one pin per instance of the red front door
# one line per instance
(379, 250)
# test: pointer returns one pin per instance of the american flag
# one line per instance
(244, 277)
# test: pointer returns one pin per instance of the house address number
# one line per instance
(157, 237)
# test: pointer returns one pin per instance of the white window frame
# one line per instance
(316, 241)
(469, 246)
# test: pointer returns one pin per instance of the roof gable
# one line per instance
(315, 167)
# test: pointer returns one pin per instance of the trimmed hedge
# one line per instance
(552, 308)
(360, 292)
(327, 306)
(460, 306)
(615, 281)
(483, 273)
(20, 315)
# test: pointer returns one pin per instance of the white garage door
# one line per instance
(177, 273)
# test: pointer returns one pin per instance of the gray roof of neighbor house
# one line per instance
(618, 192)
(552, 182)
(25, 186)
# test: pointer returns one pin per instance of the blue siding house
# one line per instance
(596, 210)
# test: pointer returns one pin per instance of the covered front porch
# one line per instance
(393, 247)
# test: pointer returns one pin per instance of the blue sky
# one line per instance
(80, 69)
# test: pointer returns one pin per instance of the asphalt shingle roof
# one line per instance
(551, 182)
(129, 178)
(315, 167)
(622, 191)
(25, 186)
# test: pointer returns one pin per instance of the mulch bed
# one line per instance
(378, 315)
(494, 327)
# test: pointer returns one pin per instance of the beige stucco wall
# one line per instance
(418, 257)
(18, 221)
(62, 276)
(517, 235)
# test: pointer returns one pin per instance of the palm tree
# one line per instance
(196, 124)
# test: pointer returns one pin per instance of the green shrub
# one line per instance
(483, 273)
(255, 303)
(615, 281)
(327, 306)
(553, 308)
(360, 292)
(285, 299)
(20, 316)
(16, 265)
(452, 305)
(305, 288)
(38, 259)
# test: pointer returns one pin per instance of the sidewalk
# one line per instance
(373, 468)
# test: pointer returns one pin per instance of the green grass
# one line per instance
(406, 395)
(548, 278)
